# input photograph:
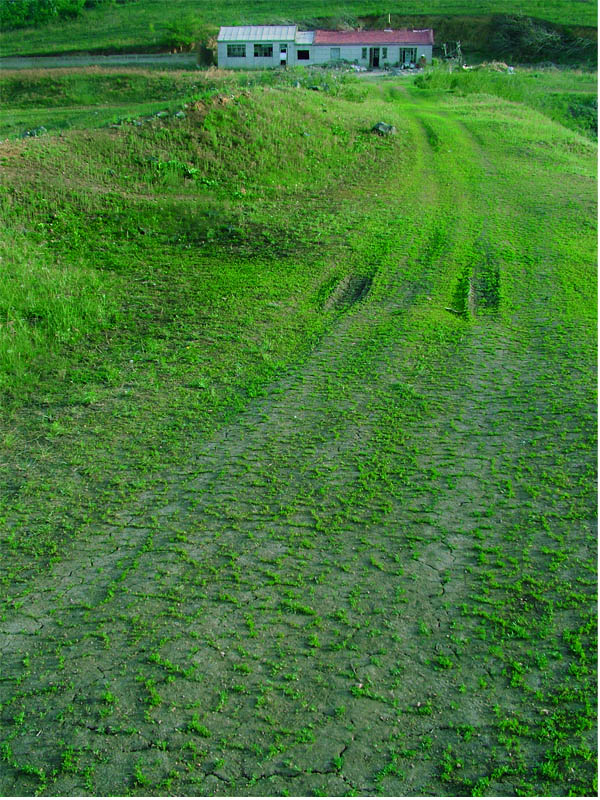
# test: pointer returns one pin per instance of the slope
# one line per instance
(149, 24)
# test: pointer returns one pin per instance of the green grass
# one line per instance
(47, 89)
(151, 23)
(59, 100)
(37, 101)
(46, 303)
(569, 97)
(276, 519)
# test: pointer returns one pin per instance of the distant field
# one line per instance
(144, 24)
(298, 493)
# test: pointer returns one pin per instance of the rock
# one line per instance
(383, 129)
(40, 131)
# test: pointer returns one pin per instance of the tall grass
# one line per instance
(45, 305)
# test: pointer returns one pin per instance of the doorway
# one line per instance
(373, 57)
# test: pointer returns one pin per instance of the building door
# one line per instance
(283, 55)
(374, 57)
(409, 55)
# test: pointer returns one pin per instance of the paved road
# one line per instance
(181, 60)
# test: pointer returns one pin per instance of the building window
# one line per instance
(236, 51)
(364, 54)
(303, 55)
(263, 51)
(335, 54)
(384, 52)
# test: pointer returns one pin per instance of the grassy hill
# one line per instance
(149, 24)
(298, 485)
(60, 99)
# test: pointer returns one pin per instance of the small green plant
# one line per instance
(197, 727)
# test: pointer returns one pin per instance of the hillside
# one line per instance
(299, 474)
(151, 24)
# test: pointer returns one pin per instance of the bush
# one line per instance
(183, 33)
(520, 38)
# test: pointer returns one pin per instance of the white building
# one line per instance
(263, 46)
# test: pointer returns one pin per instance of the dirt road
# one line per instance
(363, 584)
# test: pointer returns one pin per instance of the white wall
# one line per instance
(319, 54)
(250, 62)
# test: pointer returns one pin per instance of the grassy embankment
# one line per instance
(275, 519)
(152, 24)
(93, 97)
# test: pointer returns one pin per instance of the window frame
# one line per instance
(263, 46)
(239, 47)
(303, 57)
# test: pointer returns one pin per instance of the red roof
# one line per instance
(374, 37)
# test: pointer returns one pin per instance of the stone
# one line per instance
(383, 129)
(40, 131)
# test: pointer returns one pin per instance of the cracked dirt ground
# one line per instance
(355, 587)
